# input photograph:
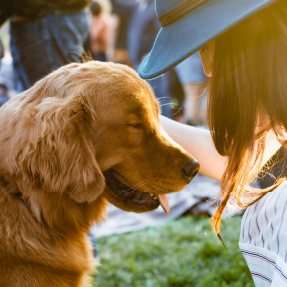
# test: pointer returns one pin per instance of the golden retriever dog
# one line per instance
(84, 135)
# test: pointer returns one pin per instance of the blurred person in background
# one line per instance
(99, 32)
(141, 32)
(3, 94)
(1, 50)
(45, 34)
(191, 75)
(138, 26)
(3, 88)
(122, 10)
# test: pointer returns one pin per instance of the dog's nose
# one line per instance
(190, 170)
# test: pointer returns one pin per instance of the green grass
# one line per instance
(181, 253)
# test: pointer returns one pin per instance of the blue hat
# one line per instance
(187, 25)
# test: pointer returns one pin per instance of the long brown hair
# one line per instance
(249, 84)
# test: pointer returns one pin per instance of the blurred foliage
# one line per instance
(181, 253)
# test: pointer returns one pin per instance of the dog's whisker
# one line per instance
(163, 187)
(178, 111)
(152, 186)
(161, 105)
(135, 188)
(138, 185)
(147, 189)
(116, 195)
(158, 189)
(132, 189)
(155, 185)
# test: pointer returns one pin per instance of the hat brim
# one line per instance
(179, 40)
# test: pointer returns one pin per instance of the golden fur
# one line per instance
(57, 140)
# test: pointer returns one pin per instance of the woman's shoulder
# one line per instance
(264, 222)
(275, 201)
(278, 194)
(263, 238)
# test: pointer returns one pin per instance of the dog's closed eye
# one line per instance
(136, 125)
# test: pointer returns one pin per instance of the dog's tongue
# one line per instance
(163, 202)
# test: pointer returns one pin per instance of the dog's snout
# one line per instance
(190, 170)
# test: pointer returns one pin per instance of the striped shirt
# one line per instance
(263, 239)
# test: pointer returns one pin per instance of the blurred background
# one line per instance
(122, 31)
(152, 249)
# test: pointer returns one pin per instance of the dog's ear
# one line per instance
(61, 156)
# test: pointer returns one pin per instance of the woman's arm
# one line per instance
(198, 143)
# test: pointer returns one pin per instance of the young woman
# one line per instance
(243, 45)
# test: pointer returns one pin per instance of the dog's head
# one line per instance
(93, 129)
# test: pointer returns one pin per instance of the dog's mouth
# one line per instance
(127, 194)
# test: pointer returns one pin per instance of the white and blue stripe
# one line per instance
(263, 239)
